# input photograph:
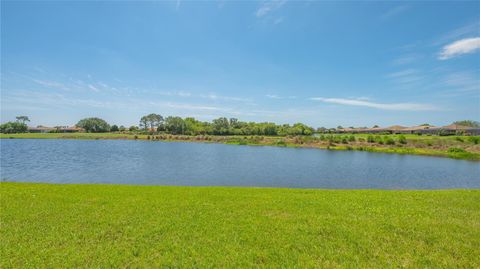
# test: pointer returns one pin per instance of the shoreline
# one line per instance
(239, 187)
(292, 142)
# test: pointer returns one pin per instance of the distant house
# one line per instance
(360, 130)
(456, 129)
(374, 130)
(60, 129)
(73, 129)
(396, 129)
(41, 129)
(422, 129)
(451, 129)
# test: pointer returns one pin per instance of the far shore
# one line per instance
(457, 147)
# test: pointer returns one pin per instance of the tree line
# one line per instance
(155, 123)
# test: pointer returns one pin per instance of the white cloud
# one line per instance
(463, 46)
(393, 12)
(268, 7)
(188, 106)
(465, 81)
(383, 106)
(406, 76)
(278, 20)
(274, 96)
(405, 59)
(93, 88)
(462, 32)
(403, 73)
(51, 84)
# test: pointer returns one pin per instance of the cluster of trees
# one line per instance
(17, 126)
(155, 123)
(220, 126)
(94, 125)
(469, 123)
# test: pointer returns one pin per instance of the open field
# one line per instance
(458, 147)
(103, 226)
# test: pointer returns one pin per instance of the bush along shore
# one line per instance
(458, 147)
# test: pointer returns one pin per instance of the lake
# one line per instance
(199, 164)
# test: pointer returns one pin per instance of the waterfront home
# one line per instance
(396, 129)
(451, 129)
(422, 129)
(459, 129)
(60, 129)
(41, 129)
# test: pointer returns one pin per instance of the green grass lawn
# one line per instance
(100, 226)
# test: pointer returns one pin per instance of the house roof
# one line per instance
(420, 127)
(457, 127)
(41, 128)
(395, 127)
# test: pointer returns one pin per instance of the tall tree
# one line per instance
(94, 125)
(144, 122)
(221, 126)
(469, 123)
(175, 125)
(22, 119)
(155, 120)
(151, 121)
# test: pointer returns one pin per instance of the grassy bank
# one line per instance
(458, 147)
(99, 226)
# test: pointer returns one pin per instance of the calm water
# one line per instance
(176, 163)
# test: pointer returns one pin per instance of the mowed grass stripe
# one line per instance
(48, 225)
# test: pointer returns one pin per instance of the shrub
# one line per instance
(94, 125)
(379, 140)
(389, 141)
(402, 139)
(370, 139)
(351, 138)
(281, 143)
(444, 133)
(456, 150)
(474, 139)
(459, 139)
(13, 127)
(114, 128)
(344, 141)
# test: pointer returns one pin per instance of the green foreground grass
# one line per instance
(440, 146)
(100, 226)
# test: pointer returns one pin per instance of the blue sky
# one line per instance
(321, 63)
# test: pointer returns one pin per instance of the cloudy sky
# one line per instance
(321, 63)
